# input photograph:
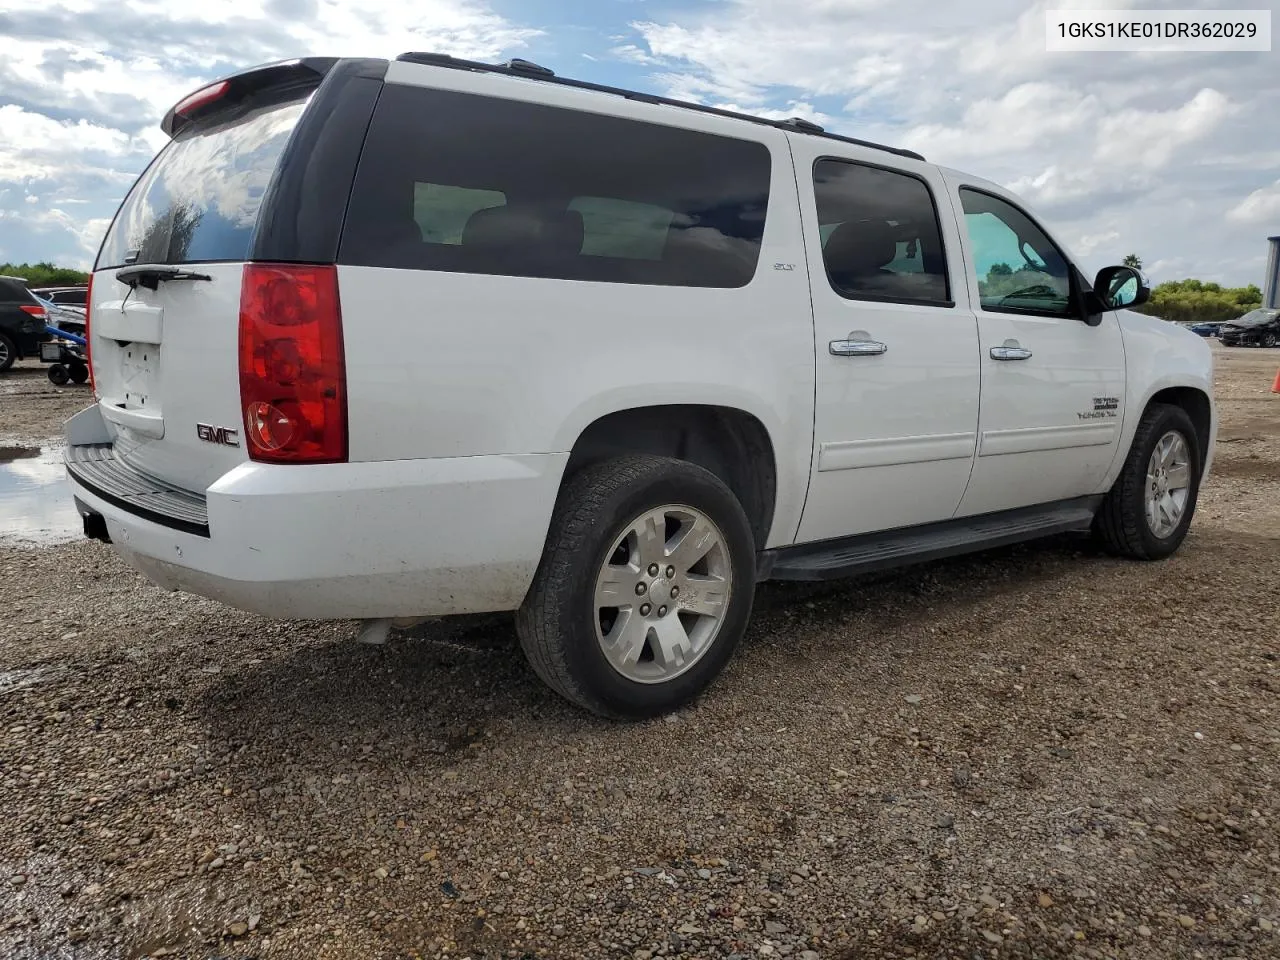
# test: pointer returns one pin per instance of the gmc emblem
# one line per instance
(223, 435)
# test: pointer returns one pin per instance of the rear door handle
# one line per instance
(859, 344)
(1010, 350)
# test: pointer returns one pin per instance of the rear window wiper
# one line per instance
(152, 276)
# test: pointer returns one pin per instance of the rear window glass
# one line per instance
(13, 290)
(199, 199)
(471, 184)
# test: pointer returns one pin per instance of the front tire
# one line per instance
(1148, 511)
(645, 587)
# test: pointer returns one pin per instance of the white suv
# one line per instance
(388, 340)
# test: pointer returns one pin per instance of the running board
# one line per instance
(831, 559)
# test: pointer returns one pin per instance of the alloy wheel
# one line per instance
(1168, 484)
(662, 593)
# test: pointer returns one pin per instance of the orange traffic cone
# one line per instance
(1275, 387)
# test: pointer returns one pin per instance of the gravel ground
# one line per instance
(1040, 752)
(32, 409)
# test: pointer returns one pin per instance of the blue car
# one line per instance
(1207, 329)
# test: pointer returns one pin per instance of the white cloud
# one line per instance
(1150, 138)
(1029, 114)
(1261, 206)
(1123, 152)
(36, 147)
(1057, 185)
(87, 82)
(1086, 245)
(85, 234)
(1010, 47)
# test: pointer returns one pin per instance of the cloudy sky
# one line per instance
(1173, 156)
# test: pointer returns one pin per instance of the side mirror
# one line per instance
(1119, 287)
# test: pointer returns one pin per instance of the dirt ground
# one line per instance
(1039, 752)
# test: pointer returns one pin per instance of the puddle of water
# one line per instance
(35, 499)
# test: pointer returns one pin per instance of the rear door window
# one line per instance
(881, 238)
(199, 199)
(471, 184)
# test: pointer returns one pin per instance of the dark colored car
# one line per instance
(1209, 328)
(22, 319)
(1257, 328)
(64, 296)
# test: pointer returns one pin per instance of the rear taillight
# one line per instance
(293, 390)
(88, 336)
(34, 310)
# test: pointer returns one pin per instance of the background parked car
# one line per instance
(22, 320)
(1257, 328)
(62, 316)
(64, 296)
(1209, 328)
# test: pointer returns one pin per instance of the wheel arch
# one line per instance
(730, 442)
(1198, 407)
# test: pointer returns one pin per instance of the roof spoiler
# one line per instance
(231, 91)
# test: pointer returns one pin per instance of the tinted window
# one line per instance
(880, 234)
(471, 184)
(15, 291)
(199, 199)
(1019, 270)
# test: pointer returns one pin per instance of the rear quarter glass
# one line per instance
(199, 199)
(464, 183)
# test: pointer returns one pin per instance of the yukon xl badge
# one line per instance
(1104, 408)
(223, 435)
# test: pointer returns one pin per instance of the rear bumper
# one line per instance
(401, 538)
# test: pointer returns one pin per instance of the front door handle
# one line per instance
(1010, 350)
(859, 344)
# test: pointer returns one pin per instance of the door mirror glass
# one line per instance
(1119, 287)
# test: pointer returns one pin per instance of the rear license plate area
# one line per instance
(139, 372)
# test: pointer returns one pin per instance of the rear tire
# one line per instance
(1135, 520)
(1268, 339)
(58, 375)
(8, 353)
(670, 632)
(79, 372)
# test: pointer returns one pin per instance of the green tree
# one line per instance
(1194, 301)
(1132, 260)
(44, 274)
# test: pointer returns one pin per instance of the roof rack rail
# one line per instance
(534, 71)
(801, 124)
